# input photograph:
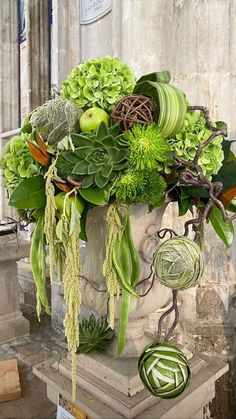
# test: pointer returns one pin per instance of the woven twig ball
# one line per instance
(134, 109)
(164, 370)
(179, 263)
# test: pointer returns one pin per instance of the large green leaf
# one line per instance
(97, 196)
(224, 230)
(30, 193)
(171, 104)
(226, 175)
(159, 76)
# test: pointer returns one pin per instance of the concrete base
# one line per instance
(105, 398)
(13, 326)
(12, 323)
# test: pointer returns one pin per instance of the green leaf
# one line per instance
(94, 168)
(114, 130)
(83, 219)
(82, 152)
(106, 170)
(81, 168)
(95, 195)
(30, 193)
(221, 125)
(81, 140)
(159, 76)
(232, 207)
(88, 181)
(109, 141)
(70, 156)
(228, 154)
(60, 233)
(100, 180)
(118, 155)
(226, 175)
(101, 131)
(183, 206)
(171, 103)
(74, 219)
(224, 230)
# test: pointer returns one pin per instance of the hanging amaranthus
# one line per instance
(50, 214)
(72, 292)
(114, 232)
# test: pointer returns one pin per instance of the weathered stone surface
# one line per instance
(110, 403)
(12, 322)
(37, 347)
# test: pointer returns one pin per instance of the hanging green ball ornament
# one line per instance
(164, 370)
(179, 263)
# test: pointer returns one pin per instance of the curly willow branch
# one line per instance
(174, 308)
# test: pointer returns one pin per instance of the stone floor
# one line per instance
(40, 345)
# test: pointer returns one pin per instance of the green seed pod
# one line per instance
(164, 370)
(179, 263)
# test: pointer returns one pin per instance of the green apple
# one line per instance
(59, 199)
(92, 118)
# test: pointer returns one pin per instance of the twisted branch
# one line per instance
(174, 308)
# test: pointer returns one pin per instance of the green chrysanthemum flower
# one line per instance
(149, 150)
(194, 133)
(99, 82)
(145, 187)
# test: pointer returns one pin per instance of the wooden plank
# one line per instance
(10, 388)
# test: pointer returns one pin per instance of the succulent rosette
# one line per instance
(179, 263)
(164, 370)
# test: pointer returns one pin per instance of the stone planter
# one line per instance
(144, 226)
(111, 388)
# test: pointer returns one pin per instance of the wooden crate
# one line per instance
(10, 388)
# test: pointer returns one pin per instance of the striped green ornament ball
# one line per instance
(179, 263)
(164, 370)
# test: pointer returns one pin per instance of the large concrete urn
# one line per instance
(144, 225)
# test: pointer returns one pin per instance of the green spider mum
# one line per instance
(149, 150)
(146, 187)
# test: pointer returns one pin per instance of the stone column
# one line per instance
(35, 56)
(12, 323)
(65, 39)
(9, 77)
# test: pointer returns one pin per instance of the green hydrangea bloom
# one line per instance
(99, 82)
(17, 162)
(194, 133)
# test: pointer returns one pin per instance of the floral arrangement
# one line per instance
(111, 140)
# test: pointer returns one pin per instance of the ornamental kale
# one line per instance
(99, 82)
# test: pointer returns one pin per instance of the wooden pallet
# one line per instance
(10, 388)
